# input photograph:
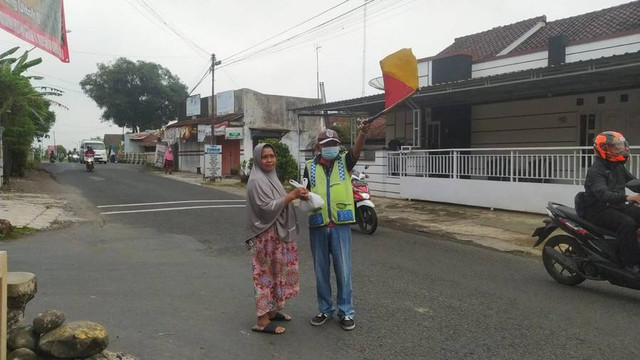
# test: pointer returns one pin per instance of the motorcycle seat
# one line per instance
(571, 214)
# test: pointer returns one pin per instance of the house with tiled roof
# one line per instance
(511, 110)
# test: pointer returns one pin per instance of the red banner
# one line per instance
(38, 22)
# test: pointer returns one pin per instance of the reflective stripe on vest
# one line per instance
(337, 193)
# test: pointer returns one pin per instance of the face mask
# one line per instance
(330, 153)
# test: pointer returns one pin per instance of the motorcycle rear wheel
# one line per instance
(569, 247)
(367, 219)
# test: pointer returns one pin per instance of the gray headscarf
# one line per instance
(266, 202)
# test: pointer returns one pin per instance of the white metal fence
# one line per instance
(137, 158)
(559, 165)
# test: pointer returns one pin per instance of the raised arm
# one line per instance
(362, 133)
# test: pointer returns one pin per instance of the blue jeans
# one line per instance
(334, 241)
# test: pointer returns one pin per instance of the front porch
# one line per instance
(520, 179)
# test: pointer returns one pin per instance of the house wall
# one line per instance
(131, 146)
(400, 126)
(190, 154)
(574, 53)
(379, 183)
(424, 73)
(553, 121)
(271, 111)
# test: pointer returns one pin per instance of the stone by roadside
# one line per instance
(497, 229)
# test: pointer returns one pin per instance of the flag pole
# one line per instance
(376, 116)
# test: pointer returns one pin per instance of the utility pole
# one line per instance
(364, 44)
(214, 63)
(318, 47)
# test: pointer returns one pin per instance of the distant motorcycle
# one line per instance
(366, 216)
(74, 158)
(88, 160)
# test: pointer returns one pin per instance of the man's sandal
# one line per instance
(270, 328)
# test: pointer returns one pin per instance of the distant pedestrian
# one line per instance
(168, 161)
(273, 227)
(112, 154)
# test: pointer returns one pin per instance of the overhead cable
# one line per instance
(342, 21)
(284, 31)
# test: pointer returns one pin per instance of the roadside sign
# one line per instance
(234, 133)
(212, 161)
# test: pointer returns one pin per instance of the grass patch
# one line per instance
(18, 232)
(153, 168)
(238, 184)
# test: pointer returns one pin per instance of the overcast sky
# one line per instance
(102, 30)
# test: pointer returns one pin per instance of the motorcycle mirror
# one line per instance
(633, 185)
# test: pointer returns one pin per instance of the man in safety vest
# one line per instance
(330, 226)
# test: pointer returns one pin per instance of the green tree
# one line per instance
(287, 168)
(61, 152)
(24, 110)
(139, 95)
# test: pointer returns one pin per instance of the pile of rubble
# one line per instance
(49, 336)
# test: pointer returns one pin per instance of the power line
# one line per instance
(136, 56)
(320, 28)
(204, 76)
(158, 18)
(155, 14)
(285, 31)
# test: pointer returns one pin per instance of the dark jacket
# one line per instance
(604, 187)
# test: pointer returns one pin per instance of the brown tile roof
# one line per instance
(491, 42)
(598, 24)
(147, 136)
(605, 23)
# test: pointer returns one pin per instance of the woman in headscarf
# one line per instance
(168, 160)
(273, 228)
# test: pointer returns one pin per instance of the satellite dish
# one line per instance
(377, 83)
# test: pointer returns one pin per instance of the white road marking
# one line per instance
(170, 202)
(171, 209)
(96, 178)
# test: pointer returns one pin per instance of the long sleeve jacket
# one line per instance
(604, 187)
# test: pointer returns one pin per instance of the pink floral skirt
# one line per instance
(275, 271)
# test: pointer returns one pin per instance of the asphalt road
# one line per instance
(177, 285)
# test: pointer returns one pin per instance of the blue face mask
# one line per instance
(330, 153)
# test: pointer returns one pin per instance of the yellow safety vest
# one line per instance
(336, 193)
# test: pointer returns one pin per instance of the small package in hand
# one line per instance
(314, 202)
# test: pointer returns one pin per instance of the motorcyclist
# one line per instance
(605, 203)
(89, 152)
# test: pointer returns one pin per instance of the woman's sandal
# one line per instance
(270, 328)
(280, 317)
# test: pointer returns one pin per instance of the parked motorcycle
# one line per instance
(366, 216)
(88, 160)
(585, 251)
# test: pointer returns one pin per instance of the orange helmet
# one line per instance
(611, 146)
